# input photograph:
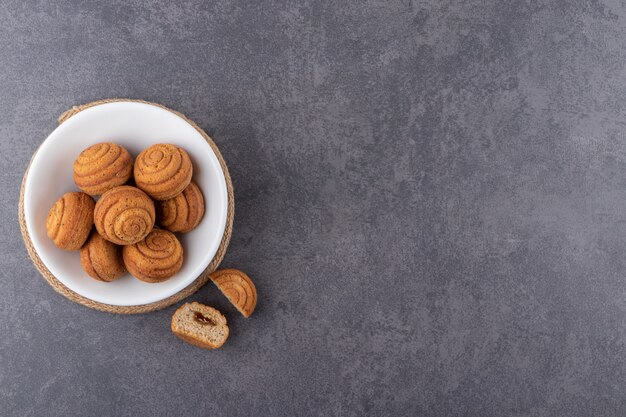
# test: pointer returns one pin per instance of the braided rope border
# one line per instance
(145, 308)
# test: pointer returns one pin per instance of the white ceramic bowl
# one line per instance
(134, 126)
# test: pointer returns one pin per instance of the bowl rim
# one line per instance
(199, 274)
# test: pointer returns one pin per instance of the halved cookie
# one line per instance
(200, 325)
(238, 288)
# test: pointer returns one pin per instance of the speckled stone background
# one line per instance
(430, 198)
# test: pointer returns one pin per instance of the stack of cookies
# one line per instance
(134, 224)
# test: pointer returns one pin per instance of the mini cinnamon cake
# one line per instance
(156, 258)
(101, 259)
(70, 220)
(238, 288)
(101, 167)
(124, 215)
(200, 325)
(183, 212)
(163, 171)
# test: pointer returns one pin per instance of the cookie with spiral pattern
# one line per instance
(101, 259)
(102, 167)
(238, 288)
(183, 212)
(156, 258)
(124, 215)
(163, 171)
(200, 325)
(70, 220)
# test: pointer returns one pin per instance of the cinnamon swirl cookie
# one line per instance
(200, 325)
(163, 171)
(238, 288)
(101, 259)
(156, 258)
(183, 212)
(124, 215)
(70, 220)
(101, 167)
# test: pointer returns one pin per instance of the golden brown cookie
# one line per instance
(70, 220)
(101, 167)
(156, 258)
(124, 215)
(163, 171)
(183, 212)
(101, 259)
(200, 325)
(238, 288)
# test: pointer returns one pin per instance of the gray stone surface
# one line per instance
(429, 197)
